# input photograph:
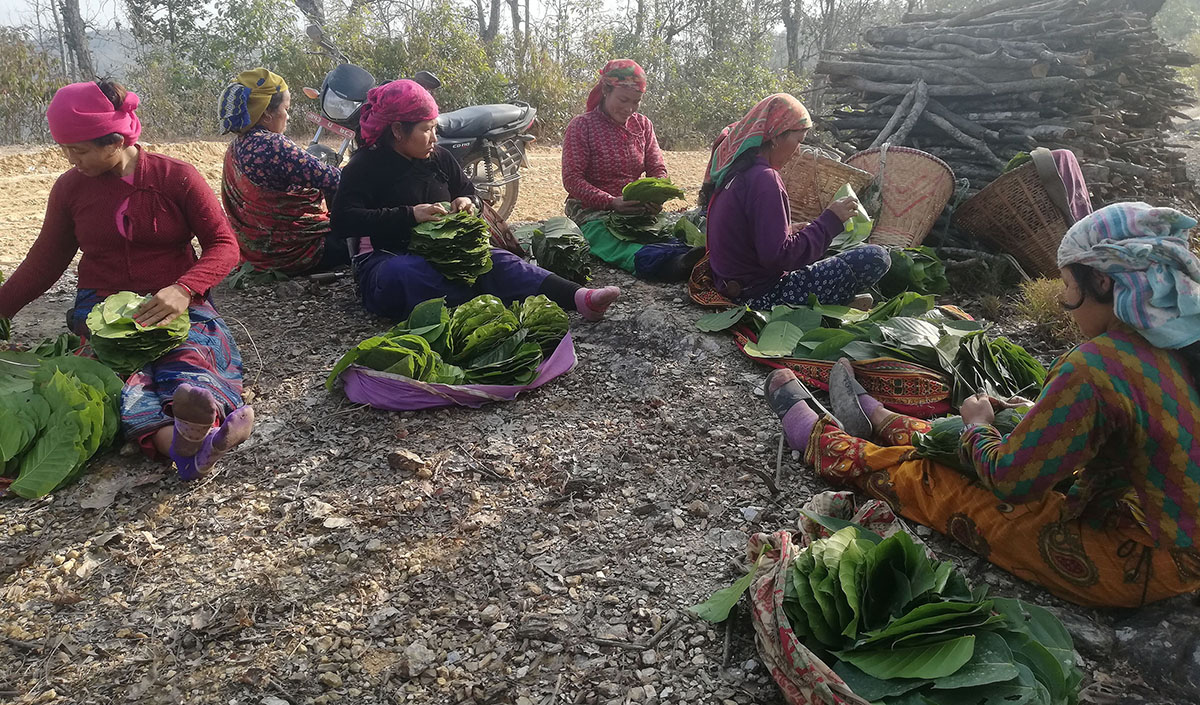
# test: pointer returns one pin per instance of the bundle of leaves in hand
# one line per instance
(899, 627)
(58, 412)
(558, 245)
(644, 228)
(651, 190)
(544, 320)
(1000, 368)
(916, 269)
(941, 443)
(458, 245)
(126, 345)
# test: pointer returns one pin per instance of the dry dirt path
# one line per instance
(307, 570)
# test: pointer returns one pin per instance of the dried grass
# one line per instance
(1040, 304)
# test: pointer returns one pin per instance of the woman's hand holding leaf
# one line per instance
(164, 306)
(977, 409)
(620, 205)
(428, 211)
(844, 208)
(462, 203)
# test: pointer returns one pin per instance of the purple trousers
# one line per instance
(391, 284)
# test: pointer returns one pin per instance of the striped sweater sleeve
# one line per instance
(1059, 436)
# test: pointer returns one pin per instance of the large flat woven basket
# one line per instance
(914, 189)
(1015, 214)
(812, 179)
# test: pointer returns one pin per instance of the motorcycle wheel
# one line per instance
(328, 155)
(502, 198)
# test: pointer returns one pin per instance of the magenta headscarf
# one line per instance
(81, 112)
(398, 101)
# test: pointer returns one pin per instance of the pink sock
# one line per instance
(798, 424)
(592, 303)
(234, 430)
(869, 404)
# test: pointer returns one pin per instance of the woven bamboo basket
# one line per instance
(1014, 214)
(812, 179)
(914, 190)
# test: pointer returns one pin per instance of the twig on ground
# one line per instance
(766, 477)
(483, 470)
(728, 642)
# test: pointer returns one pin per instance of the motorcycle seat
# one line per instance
(477, 120)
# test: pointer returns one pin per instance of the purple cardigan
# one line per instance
(748, 240)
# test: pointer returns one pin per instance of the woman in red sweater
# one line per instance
(133, 215)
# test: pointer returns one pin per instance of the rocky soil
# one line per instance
(538, 552)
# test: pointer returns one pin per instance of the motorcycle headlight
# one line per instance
(337, 107)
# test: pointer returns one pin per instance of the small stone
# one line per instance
(330, 680)
(374, 546)
(490, 614)
(420, 657)
(405, 460)
(698, 508)
(649, 657)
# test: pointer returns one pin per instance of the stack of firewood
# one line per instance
(977, 87)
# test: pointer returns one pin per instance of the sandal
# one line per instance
(784, 391)
(843, 397)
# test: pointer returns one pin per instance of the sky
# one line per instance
(98, 13)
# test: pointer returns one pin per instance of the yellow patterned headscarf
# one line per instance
(245, 100)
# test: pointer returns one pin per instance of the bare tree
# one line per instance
(75, 36)
(489, 26)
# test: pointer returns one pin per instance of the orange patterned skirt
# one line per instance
(1104, 559)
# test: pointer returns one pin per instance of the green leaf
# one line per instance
(875, 689)
(833, 524)
(51, 459)
(723, 320)
(778, 339)
(924, 617)
(718, 607)
(927, 661)
(815, 623)
(992, 662)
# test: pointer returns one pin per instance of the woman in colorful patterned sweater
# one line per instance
(274, 192)
(1096, 494)
(758, 256)
(605, 148)
(133, 214)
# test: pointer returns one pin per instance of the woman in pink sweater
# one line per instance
(133, 215)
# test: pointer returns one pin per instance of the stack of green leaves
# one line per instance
(644, 228)
(651, 189)
(687, 231)
(558, 245)
(907, 327)
(458, 245)
(126, 345)
(917, 269)
(480, 342)
(58, 412)
(899, 627)
(941, 443)
(544, 320)
(999, 367)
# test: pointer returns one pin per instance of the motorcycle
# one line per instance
(489, 141)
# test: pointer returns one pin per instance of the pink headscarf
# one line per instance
(618, 72)
(398, 101)
(81, 112)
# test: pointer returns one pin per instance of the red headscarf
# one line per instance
(398, 101)
(773, 116)
(618, 72)
(81, 112)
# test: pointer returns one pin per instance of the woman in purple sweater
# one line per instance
(757, 256)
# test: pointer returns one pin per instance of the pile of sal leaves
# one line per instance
(59, 410)
(458, 245)
(902, 629)
(917, 269)
(480, 342)
(126, 345)
(906, 327)
(558, 245)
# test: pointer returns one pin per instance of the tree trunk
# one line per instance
(75, 35)
(514, 7)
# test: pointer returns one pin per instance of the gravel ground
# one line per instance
(538, 552)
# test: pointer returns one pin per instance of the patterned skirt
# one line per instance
(1097, 557)
(208, 359)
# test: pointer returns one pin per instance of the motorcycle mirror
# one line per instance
(427, 80)
(312, 93)
(314, 33)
